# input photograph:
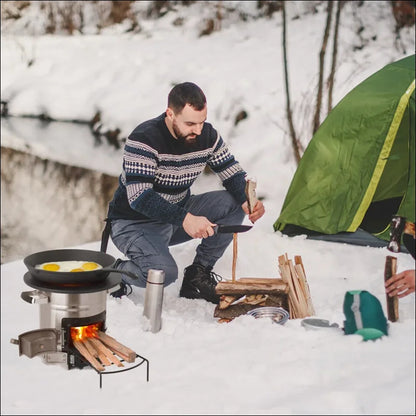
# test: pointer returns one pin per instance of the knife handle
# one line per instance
(250, 191)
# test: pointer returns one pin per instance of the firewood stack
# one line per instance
(102, 350)
(242, 295)
(291, 292)
(300, 302)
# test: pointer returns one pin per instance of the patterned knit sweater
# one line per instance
(158, 171)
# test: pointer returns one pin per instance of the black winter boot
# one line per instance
(199, 282)
(124, 290)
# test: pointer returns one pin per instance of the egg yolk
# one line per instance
(90, 266)
(77, 270)
(51, 267)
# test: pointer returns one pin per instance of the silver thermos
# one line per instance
(154, 298)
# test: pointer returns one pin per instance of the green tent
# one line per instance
(358, 170)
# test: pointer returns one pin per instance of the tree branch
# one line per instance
(295, 142)
(316, 120)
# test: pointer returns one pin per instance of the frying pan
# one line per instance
(90, 276)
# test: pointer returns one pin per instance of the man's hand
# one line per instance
(258, 211)
(401, 284)
(198, 227)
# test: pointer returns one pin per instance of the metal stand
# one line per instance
(105, 372)
(101, 373)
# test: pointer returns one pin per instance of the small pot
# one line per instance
(90, 276)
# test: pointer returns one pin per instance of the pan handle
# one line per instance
(126, 272)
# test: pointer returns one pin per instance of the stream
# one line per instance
(56, 182)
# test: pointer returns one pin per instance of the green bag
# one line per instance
(364, 315)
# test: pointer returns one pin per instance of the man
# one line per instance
(153, 207)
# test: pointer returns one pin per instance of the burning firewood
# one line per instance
(91, 349)
(95, 352)
(79, 345)
(99, 349)
(108, 353)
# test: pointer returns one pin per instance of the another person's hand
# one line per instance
(198, 226)
(258, 211)
(401, 284)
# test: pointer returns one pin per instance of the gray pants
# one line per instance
(146, 243)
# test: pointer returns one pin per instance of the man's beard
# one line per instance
(184, 140)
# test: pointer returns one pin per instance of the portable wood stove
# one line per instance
(64, 309)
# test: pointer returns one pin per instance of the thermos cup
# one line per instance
(154, 298)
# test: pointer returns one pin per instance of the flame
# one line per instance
(79, 333)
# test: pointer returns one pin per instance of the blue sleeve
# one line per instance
(151, 204)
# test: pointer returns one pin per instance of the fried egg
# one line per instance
(69, 266)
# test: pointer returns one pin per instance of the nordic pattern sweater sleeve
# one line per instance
(158, 172)
(223, 163)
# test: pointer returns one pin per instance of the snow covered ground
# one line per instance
(198, 366)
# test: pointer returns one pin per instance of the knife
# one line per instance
(231, 228)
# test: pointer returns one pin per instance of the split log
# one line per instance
(91, 349)
(86, 354)
(390, 268)
(298, 260)
(260, 280)
(294, 275)
(297, 272)
(299, 292)
(291, 309)
(121, 350)
(108, 353)
(240, 287)
(286, 276)
(250, 191)
(95, 352)
(234, 256)
(305, 286)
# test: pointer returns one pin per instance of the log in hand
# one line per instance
(198, 226)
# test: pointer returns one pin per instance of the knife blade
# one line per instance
(231, 228)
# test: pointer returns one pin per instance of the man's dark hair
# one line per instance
(186, 93)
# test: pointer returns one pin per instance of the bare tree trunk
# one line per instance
(295, 142)
(316, 120)
(334, 55)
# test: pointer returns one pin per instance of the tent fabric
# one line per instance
(359, 168)
(359, 238)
